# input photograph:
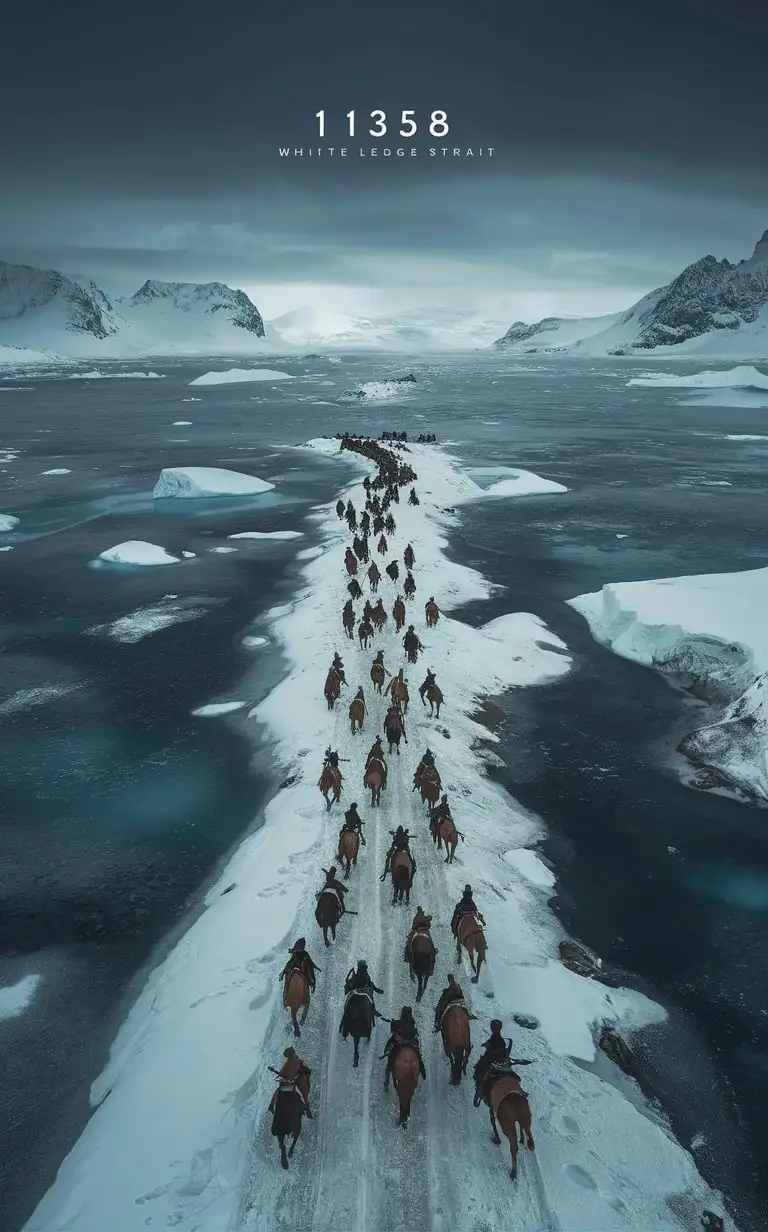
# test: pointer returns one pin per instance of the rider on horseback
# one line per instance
(291, 1073)
(400, 842)
(376, 752)
(420, 923)
(300, 961)
(448, 996)
(411, 641)
(332, 884)
(495, 1059)
(428, 683)
(338, 666)
(360, 980)
(394, 719)
(353, 822)
(403, 1032)
(465, 906)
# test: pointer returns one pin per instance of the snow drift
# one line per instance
(195, 482)
(711, 631)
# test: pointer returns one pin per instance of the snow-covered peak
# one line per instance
(80, 308)
(760, 255)
(205, 297)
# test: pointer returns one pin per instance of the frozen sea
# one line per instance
(119, 805)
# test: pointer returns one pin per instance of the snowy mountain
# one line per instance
(47, 311)
(713, 307)
(417, 330)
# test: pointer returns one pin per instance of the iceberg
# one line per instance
(233, 376)
(709, 629)
(137, 552)
(194, 482)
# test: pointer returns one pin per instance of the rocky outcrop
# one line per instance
(81, 306)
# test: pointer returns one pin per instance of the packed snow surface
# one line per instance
(267, 534)
(15, 998)
(234, 376)
(8, 521)
(743, 377)
(193, 482)
(138, 552)
(709, 628)
(183, 1138)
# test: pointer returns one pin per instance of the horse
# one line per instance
(357, 1020)
(295, 995)
(446, 832)
(382, 546)
(328, 912)
(509, 1109)
(432, 613)
(429, 785)
(379, 616)
(375, 777)
(412, 649)
(350, 561)
(374, 577)
(405, 1079)
(409, 587)
(398, 613)
(287, 1110)
(357, 714)
(340, 507)
(365, 633)
(354, 589)
(330, 780)
(401, 870)
(454, 1028)
(469, 933)
(393, 730)
(332, 687)
(399, 691)
(378, 673)
(409, 557)
(393, 570)
(435, 698)
(349, 846)
(421, 959)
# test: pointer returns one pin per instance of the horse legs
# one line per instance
(495, 1138)
(283, 1154)
(303, 1018)
(356, 1058)
(438, 710)
(293, 1144)
(295, 1022)
(325, 935)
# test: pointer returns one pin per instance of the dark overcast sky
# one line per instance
(639, 129)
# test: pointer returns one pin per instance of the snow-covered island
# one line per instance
(179, 1136)
(710, 631)
(196, 482)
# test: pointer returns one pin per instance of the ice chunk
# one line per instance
(267, 534)
(193, 482)
(8, 521)
(235, 375)
(137, 552)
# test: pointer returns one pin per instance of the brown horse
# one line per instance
(349, 846)
(332, 687)
(432, 613)
(401, 869)
(350, 561)
(398, 614)
(374, 577)
(382, 545)
(379, 616)
(469, 933)
(357, 714)
(435, 698)
(430, 785)
(409, 587)
(454, 1027)
(348, 621)
(409, 557)
(446, 833)
(394, 730)
(509, 1108)
(405, 1078)
(330, 781)
(295, 995)
(375, 777)
(421, 959)
(328, 912)
(365, 633)
(354, 589)
(399, 690)
(378, 673)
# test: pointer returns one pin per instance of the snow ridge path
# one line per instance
(354, 1170)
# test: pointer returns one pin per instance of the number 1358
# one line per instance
(438, 123)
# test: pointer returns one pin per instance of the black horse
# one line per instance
(357, 1019)
(287, 1110)
(393, 735)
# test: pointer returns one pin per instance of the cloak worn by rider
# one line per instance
(360, 981)
(440, 811)
(332, 884)
(449, 994)
(332, 758)
(296, 1072)
(411, 640)
(465, 906)
(377, 751)
(353, 822)
(421, 922)
(403, 1032)
(300, 961)
(496, 1052)
(400, 842)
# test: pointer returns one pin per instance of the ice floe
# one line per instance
(183, 1141)
(147, 620)
(182, 423)
(215, 708)
(16, 998)
(742, 377)
(236, 375)
(115, 376)
(711, 630)
(37, 695)
(59, 470)
(8, 521)
(193, 482)
(267, 534)
(137, 552)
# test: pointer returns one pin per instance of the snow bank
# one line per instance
(193, 482)
(711, 629)
(235, 375)
(214, 708)
(115, 376)
(742, 377)
(267, 534)
(182, 1141)
(8, 521)
(15, 998)
(137, 552)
